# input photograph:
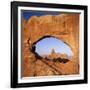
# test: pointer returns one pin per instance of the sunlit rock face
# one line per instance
(51, 46)
(65, 27)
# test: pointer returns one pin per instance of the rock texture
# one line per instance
(64, 27)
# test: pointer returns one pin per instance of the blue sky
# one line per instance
(45, 46)
(29, 14)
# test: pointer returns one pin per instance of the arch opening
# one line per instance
(52, 48)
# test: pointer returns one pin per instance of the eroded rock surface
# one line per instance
(64, 27)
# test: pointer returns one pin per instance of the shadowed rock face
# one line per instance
(64, 27)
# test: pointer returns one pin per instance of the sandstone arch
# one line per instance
(64, 27)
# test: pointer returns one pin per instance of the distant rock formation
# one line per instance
(56, 55)
(53, 51)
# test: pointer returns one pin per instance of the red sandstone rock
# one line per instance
(64, 27)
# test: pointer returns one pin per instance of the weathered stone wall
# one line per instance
(64, 27)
